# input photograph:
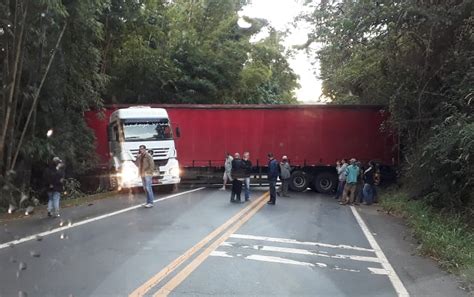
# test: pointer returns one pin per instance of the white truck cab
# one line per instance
(134, 126)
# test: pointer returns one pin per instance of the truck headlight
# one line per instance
(174, 171)
(129, 171)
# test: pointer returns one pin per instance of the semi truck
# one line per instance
(118, 137)
(312, 136)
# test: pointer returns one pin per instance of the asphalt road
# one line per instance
(198, 244)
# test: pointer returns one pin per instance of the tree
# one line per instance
(416, 58)
(190, 52)
(50, 75)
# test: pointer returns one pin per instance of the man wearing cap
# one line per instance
(53, 177)
(285, 174)
(146, 167)
(352, 172)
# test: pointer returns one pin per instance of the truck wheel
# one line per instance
(325, 182)
(299, 181)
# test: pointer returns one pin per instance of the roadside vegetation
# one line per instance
(447, 237)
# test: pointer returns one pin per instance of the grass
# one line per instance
(446, 238)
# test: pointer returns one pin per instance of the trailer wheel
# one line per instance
(299, 181)
(325, 182)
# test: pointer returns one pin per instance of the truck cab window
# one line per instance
(147, 130)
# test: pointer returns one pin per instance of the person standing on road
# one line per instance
(352, 171)
(359, 195)
(285, 174)
(368, 192)
(237, 174)
(146, 167)
(341, 167)
(237, 178)
(273, 173)
(247, 165)
(227, 170)
(377, 180)
(54, 177)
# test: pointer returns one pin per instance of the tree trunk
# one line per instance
(8, 109)
(35, 98)
(11, 125)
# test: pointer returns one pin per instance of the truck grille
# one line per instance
(159, 163)
(157, 153)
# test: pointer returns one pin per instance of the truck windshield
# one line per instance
(147, 130)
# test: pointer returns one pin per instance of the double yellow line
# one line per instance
(234, 223)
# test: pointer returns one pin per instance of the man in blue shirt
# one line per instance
(273, 173)
(352, 172)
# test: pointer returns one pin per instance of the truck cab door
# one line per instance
(114, 141)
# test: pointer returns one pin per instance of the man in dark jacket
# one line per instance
(273, 172)
(53, 177)
(368, 192)
(238, 175)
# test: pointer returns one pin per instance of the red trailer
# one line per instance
(312, 136)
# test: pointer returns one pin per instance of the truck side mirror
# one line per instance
(178, 132)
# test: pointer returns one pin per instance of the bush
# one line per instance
(72, 189)
(441, 169)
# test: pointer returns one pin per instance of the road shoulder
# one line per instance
(421, 276)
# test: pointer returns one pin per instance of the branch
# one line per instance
(35, 99)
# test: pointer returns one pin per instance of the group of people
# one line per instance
(357, 184)
(238, 172)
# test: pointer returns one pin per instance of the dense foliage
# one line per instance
(416, 57)
(50, 62)
(60, 58)
(191, 52)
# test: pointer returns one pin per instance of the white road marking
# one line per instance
(303, 252)
(392, 275)
(281, 260)
(378, 271)
(221, 254)
(69, 226)
(292, 241)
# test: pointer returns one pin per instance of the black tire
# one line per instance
(299, 181)
(325, 182)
